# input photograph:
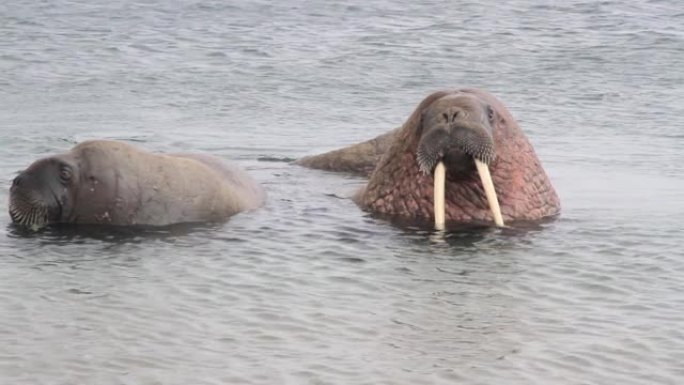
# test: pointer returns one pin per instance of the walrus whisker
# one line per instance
(431, 150)
(41, 215)
(25, 218)
(475, 141)
(426, 160)
(16, 213)
(32, 217)
(16, 217)
(31, 213)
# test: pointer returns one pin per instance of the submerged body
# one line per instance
(115, 183)
(457, 128)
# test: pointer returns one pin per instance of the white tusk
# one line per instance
(488, 185)
(440, 181)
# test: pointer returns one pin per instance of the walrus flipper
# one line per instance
(360, 158)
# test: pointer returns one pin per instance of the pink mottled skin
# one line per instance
(398, 188)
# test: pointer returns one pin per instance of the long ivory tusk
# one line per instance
(440, 181)
(488, 185)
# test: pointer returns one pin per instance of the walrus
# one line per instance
(116, 183)
(492, 173)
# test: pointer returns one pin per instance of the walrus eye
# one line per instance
(65, 174)
(455, 115)
(446, 117)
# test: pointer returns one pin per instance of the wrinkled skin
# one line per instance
(115, 183)
(453, 127)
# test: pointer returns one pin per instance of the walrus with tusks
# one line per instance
(459, 158)
(115, 183)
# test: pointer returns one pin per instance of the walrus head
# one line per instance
(456, 130)
(42, 194)
(492, 172)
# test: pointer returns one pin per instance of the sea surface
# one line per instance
(309, 289)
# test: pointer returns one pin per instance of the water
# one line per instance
(310, 290)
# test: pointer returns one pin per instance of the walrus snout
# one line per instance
(32, 204)
(28, 210)
(457, 145)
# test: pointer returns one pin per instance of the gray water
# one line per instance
(309, 289)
